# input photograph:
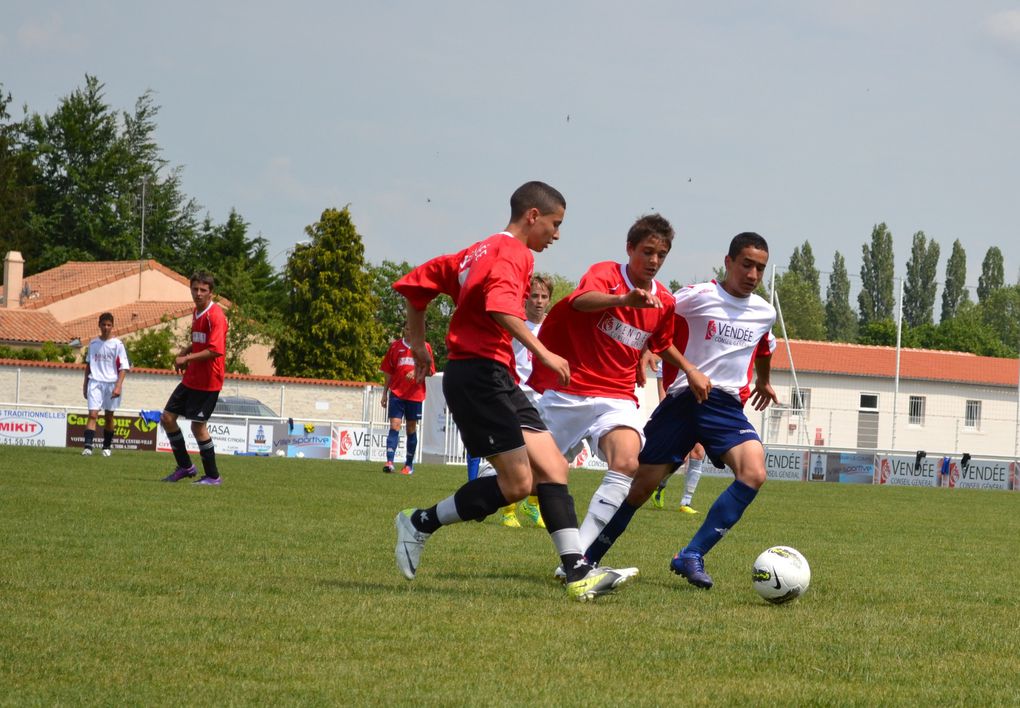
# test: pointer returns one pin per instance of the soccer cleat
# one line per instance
(181, 473)
(597, 582)
(692, 567)
(686, 509)
(388, 467)
(106, 452)
(86, 452)
(208, 481)
(659, 498)
(407, 469)
(510, 520)
(533, 513)
(560, 575)
(410, 542)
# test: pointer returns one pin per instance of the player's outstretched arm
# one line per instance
(519, 331)
(763, 394)
(592, 301)
(699, 384)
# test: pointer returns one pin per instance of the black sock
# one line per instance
(107, 439)
(426, 520)
(176, 439)
(207, 452)
(89, 437)
(558, 511)
(479, 498)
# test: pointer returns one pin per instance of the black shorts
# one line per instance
(487, 406)
(192, 403)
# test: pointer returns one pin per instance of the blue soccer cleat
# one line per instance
(692, 567)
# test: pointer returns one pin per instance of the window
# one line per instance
(869, 401)
(972, 415)
(800, 401)
(917, 410)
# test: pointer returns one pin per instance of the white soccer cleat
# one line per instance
(410, 542)
(106, 452)
(86, 452)
(598, 582)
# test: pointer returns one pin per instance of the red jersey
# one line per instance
(399, 364)
(603, 347)
(208, 331)
(493, 275)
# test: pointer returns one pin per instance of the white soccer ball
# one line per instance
(280, 453)
(300, 454)
(781, 574)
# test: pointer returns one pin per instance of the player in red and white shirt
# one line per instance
(726, 331)
(195, 397)
(488, 282)
(106, 365)
(617, 311)
(402, 397)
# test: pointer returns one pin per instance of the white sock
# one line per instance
(691, 482)
(603, 505)
(566, 541)
(446, 510)
(485, 469)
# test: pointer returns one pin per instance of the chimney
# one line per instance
(14, 272)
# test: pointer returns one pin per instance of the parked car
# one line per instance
(241, 406)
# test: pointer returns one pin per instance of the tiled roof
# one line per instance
(129, 318)
(19, 327)
(77, 277)
(880, 362)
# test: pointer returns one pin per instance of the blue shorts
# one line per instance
(679, 422)
(399, 408)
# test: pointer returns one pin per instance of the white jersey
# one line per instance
(106, 359)
(524, 357)
(721, 335)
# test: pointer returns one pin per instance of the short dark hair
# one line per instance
(650, 225)
(745, 239)
(203, 276)
(106, 316)
(538, 195)
(543, 280)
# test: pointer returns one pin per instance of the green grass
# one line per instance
(280, 587)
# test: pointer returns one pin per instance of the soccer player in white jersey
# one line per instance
(535, 307)
(729, 329)
(106, 365)
(617, 311)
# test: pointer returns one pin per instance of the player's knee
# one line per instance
(515, 489)
(168, 419)
(753, 477)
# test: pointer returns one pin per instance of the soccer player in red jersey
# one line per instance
(488, 282)
(402, 397)
(195, 397)
(617, 312)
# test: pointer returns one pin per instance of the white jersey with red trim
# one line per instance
(722, 335)
(106, 358)
(524, 356)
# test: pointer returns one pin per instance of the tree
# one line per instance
(802, 262)
(954, 291)
(391, 311)
(17, 190)
(876, 300)
(921, 285)
(967, 332)
(331, 331)
(840, 320)
(803, 313)
(992, 273)
(1000, 313)
(155, 348)
(879, 333)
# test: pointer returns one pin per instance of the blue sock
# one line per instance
(613, 530)
(473, 464)
(392, 440)
(724, 514)
(412, 447)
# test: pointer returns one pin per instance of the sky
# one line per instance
(802, 120)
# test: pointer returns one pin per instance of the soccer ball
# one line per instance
(280, 453)
(300, 454)
(781, 574)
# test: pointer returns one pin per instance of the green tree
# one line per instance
(391, 311)
(1000, 312)
(954, 291)
(840, 320)
(17, 187)
(803, 313)
(921, 284)
(330, 312)
(879, 333)
(802, 262)
(154, 348)
(876, 300)
(968, 332)
(992, 273)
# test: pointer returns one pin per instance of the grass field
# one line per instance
(280, 587)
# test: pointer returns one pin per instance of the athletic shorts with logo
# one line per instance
(488, 406)
(572, 418)
(679, 422)
(192, 403)
(397, 407)
(100, 396)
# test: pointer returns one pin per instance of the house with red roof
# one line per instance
(62, 305)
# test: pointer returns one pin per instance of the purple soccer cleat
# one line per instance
(181, 473)
(208, 481)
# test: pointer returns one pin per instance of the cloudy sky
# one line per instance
(799, 119)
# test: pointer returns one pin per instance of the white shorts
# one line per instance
(100, 396)
(573, 418)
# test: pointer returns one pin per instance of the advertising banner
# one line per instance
(352, 442)
(785, 464)
(130, 432)
(903, 471)
(32, 428)
(980, 474)
(229, 437)
(260, 438)
(304, 439)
